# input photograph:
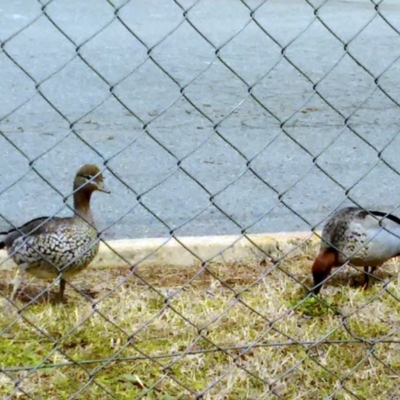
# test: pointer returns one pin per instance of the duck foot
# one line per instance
(91, 294)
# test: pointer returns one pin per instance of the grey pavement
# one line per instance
(278, 159)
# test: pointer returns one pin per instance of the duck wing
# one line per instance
(386, 215)
(34, 227)
(383, 234)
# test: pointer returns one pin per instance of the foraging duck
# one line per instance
(362, 238)
(49, 247)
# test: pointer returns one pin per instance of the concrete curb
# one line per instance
(178, 252)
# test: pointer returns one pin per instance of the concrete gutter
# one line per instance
(186, 251)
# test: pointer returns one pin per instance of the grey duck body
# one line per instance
(363, 237)
(51, 247)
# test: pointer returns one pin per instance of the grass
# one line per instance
(234, 332)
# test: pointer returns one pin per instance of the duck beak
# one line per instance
(101, 187)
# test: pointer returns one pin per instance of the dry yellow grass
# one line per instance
(250, 334)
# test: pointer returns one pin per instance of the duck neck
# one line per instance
(82, 205)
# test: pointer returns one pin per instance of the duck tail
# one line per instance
(2, 242)
(322, 267)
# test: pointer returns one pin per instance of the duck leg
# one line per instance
(322, 267)
(17, 284)
(62, 290)
(368, 270)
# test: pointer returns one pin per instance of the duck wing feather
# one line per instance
(33, 227)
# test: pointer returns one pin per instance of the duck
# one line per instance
(58, 247)
(360, 237)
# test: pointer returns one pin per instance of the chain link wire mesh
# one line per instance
(207, 118)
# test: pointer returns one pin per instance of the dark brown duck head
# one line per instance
(88, 179)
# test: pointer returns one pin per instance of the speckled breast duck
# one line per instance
(362, 238)
(52, 247)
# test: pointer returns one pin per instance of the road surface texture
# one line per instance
(270, 114)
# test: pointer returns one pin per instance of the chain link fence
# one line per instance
(229, 117)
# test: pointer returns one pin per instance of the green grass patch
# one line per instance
(245, 335)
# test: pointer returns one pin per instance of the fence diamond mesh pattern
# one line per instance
(206, 117)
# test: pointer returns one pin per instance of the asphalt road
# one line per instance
(181, 130)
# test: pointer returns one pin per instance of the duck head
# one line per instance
(89, 179)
